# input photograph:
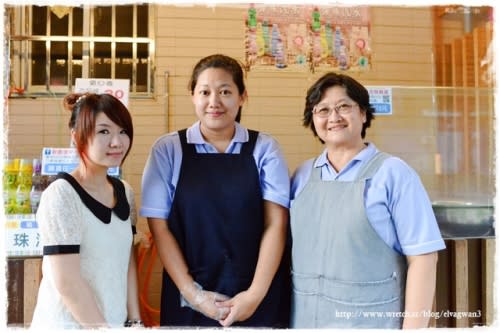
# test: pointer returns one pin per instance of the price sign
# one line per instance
(22, 237)
(117, 87)
(55, 160)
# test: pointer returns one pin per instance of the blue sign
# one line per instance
(381, 108)
(381, 99)
(55, 160)
(22, 237)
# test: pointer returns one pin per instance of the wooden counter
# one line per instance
(464, 284)
(23, 278)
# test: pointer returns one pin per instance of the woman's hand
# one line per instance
(207, 305)
(174, 263)
(241, 307)
(204, 301)
(75, 292)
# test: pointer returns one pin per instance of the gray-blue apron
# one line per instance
(343, 274)
(217, 219)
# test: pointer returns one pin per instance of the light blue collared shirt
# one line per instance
(162, 169)
(395, 194)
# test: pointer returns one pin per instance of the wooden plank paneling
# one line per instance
(488, 275)
(32, 278)
(405, 17)
(408, 36)
(468, 61)
(461, 279)
(15, 292)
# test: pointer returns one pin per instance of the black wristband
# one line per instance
(135, 322)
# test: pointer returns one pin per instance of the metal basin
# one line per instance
(461, 220)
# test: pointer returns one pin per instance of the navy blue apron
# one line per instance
(217, 218)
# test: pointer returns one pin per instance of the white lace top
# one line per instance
(71, 221)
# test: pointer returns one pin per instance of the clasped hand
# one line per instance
(242, 306)
(204, 301)
(218, 306)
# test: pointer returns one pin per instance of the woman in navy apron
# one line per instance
(216, 196)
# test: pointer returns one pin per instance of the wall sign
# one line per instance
(55, 160)
(381, 99)
(117, 87)
(22, 238)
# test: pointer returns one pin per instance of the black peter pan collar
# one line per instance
(103, 213)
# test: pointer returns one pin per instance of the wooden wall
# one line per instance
(401, 44)
(402, 49)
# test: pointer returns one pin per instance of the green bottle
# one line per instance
(10, 172)
(24, 187)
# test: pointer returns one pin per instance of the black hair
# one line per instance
(355, 90)
(230, 65)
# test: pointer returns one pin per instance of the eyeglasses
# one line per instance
(324, 111)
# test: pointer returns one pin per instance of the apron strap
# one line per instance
(372, 166)
(248, 147)
(187, 149)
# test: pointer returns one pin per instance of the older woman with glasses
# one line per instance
(365, 238)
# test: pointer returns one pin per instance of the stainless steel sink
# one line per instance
(463, 220)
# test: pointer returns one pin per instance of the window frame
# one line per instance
(21, 45)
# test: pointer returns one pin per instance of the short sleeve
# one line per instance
(300, 178)
(273, 170)
(60, 219)
(409, 206)
(160, 176)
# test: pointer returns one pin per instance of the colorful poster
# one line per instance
(308, 37)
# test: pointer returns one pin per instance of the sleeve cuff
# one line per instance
(60, 249)
(282, 201)
(154, 213)
(425, 248)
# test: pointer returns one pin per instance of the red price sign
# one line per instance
(118, 87)
(118, 93)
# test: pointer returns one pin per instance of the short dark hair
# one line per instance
(230, 65)
(84, 110)
(355, 90)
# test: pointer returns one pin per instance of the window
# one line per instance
(51, 46)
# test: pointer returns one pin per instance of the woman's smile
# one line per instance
(215, 114)
(117, 154)
(336, 127)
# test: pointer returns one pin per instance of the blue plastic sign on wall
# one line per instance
(55, 160)
(381, 99)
